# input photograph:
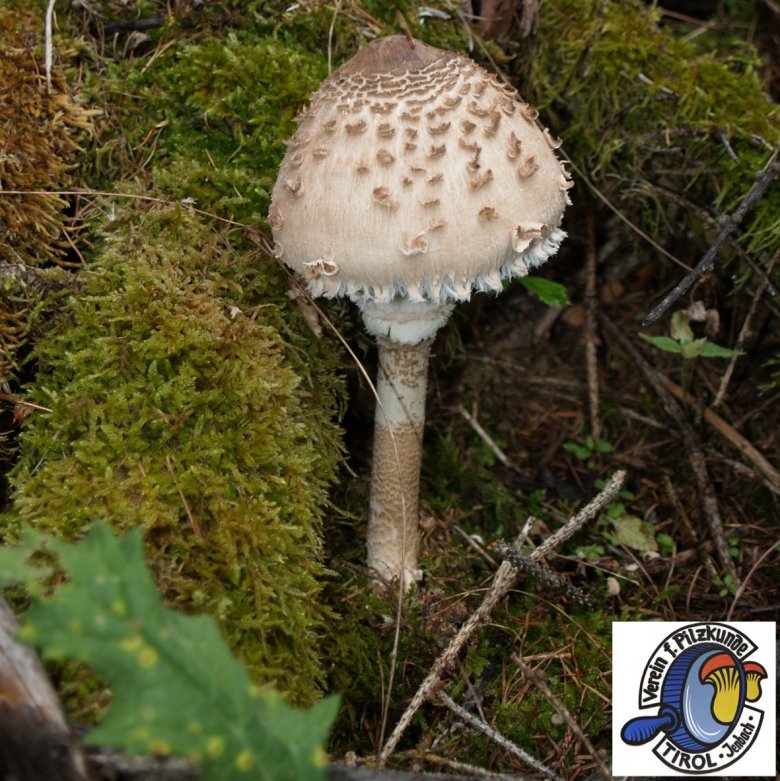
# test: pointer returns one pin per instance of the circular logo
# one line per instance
(700, 686)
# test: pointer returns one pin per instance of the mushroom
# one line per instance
(754, 674)
(722, 672)
(414, 178)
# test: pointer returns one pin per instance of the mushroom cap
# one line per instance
(415, 174)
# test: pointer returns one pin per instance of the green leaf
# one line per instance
(177, 689)
(663, 343)
(710, 350)
(551, 293)
(578, 451)
(635, 533)
(665, 544)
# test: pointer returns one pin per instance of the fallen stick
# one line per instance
(538, 679)
(728, 432)
(691, 441)
(497, 737)
(502, 582)
(764, 178)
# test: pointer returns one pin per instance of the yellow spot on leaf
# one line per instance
(131, 644)
(215, 746)
(118, 608)
(244, 761)
(27, 632)
(320, 757)
(147, 657)
(159, 747)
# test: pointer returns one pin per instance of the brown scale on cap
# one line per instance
(437, 130)
(353, 128)
(384, 157)
(478, 182)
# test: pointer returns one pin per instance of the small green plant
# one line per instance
(587, 449)
(177, 689)
(727, 584)
(683, 342)
(621, 527)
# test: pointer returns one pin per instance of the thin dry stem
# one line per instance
(744, 332)
(765, 177)
(691, 441)
(497, 737)
(591, 333)
(485, 437)
(728, 432)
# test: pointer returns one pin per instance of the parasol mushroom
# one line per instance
(414, 178)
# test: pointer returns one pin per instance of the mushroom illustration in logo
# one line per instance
(415, 178)
(754, 674)
(721, 671)
(702, 699)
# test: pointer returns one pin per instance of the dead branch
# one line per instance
(591, 335)
(502, 583)
(744, 333)
(765, 177)
(728, 432)
(496, 737)
(37, 742)
(692, 444)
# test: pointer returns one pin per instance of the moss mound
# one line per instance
(667, 127)
(174, 409)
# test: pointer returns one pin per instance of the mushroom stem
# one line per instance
(395, 476)
(404, 331)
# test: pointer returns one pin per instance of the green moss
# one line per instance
(176, 408)
(643, 112)
(215, 117)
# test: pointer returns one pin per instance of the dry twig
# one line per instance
(497, 737)
(692, 444)
(764, 179)
(591, 336)
(744, 332)
(485, 437)
(728, 432)
(502, 582)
